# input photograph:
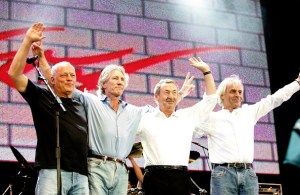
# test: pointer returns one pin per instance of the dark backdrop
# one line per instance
(282, 33)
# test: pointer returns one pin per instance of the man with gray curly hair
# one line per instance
(230, 134)
(105, 74)
(112, 126)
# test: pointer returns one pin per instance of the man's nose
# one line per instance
(171, 95)
(120, 81)
(69, 76)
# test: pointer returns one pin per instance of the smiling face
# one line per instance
(115, 85)
(64, 80)
(167, 98)
(233, 96)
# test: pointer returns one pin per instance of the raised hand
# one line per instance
(35, 33)
(187, 86)
(37, 48)
(199, 64)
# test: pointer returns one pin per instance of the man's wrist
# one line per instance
(207, 72)
(297, 81)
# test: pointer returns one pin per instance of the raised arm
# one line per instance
(38, 49)
(210, 87)
(33, 34)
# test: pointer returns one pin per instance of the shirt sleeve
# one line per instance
(202, 109)
(267, 104)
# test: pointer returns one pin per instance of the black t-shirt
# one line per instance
(72, 127)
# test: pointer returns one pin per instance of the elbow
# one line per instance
(13, 71)
(14, 76)
(11, 74)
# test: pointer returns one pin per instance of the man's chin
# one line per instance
(115, 95)
(237, 105)
(171, 106)
(118, 93)
(70, 90)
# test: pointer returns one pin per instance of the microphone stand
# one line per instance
(204, 148)
(9, 188)
(58, 104)
(201, 191)
(200, 145)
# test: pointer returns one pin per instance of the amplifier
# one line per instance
(270, 188)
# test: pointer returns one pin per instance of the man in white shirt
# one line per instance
(166, 135)
(230, 134)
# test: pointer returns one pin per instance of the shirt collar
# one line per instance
(157, 112)
(104, 98)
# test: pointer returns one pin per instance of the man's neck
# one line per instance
(64, 95)
(114, 102)
(112, 97)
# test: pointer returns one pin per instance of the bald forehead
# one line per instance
(63, 69)
(61, 65)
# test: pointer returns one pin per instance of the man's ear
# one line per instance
(155, 97)
(222, 97)
(52, 81)
(103, 86)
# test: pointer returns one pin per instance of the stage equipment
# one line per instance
(25, 178)
(137, 150)
(270, 188)
(194, 155)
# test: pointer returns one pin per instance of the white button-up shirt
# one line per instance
(231, 134)
(167, 140)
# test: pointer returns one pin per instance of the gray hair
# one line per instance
(232, 79)
(106, 73)
(57, 66)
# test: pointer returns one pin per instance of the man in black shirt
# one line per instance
(72, 122)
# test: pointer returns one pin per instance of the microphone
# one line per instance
(32, 59)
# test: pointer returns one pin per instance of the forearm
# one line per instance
(210, 87)
(18, 64)
(45, 68)
(137, 170)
